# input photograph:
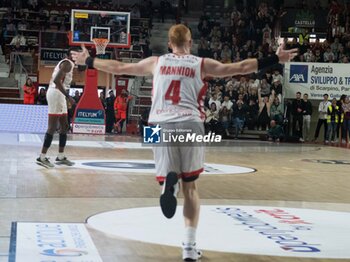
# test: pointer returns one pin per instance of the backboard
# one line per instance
(89, 24)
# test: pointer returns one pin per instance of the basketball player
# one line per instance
(179, 88)
(57, 96)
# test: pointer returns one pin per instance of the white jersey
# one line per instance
(68, 77)
(178, 89)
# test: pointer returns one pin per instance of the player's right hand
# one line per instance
(80, 57)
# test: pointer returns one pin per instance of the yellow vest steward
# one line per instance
(330, 108)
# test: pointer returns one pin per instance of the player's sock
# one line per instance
(60, 156)
(42, 156)
(190, 236)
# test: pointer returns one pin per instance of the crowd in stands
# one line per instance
(255, 101)
(22, 20)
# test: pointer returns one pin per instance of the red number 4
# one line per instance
(173, 92)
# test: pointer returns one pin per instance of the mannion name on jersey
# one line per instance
(177, 70)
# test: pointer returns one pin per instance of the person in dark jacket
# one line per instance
(110, 117)
(297, 113)
(143, 120)
(238, 116)
(275, 132)
(307, 112)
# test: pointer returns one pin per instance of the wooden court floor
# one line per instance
(29, 192)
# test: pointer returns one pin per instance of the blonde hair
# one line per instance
(179, 35)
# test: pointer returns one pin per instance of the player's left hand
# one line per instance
(80, 57)
(285, 55)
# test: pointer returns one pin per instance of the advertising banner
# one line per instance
(90, 116)
(55, 55)
(58, 242)
(316, 79)
(89, 129)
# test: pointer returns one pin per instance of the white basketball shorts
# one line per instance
(56, 102)
(186, 160)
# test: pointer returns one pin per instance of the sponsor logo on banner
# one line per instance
(298, 74)
(52, 242)
(258, 230)
(88, 129)
(90, 116)
(52, 54)
(317, 79)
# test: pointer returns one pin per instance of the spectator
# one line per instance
(335, 46)
(212, 118)
(22, 25)
(29, 92)
(328, 56)
(135, 12)
(10, 27)
(214, 99)
(307, 113)
(265, 88)
(226, 55)
(275, 132)
(309, 56)
(110, 117)
(227, 104)
(143, 120)
(203, 48)
(102, 99)
(42, 97)
(252, 114)
(277, 111)
(264, 110)
(218, 92)
(18, 40)
(322, 117)
(346, 123)
(297, 113)
(224, 117)
(76, 96)
(239, 112)
(340, 103)
(332, 121)
(277, 87)
(277, 76)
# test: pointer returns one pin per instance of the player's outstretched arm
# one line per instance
(213, 68)
(143, 68)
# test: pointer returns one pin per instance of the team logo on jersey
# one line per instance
(298, 73)
(152, 134)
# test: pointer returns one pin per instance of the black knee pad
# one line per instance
(48, 140)
(63, 140)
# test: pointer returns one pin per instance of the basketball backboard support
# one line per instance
(89, 24)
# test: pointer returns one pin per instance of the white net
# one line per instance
(101, 44)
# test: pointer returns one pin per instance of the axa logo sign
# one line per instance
(151, 134)
(298, 74)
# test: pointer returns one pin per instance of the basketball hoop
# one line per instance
(101, 44)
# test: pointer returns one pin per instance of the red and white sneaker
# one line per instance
(190, 252)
